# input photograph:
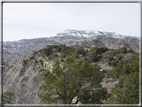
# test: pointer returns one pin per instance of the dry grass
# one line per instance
(105, 66)
(109, 84)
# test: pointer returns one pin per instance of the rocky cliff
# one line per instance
(25, 77)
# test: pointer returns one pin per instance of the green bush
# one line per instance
(32, 57)
(114, 52)
(59, 48)
(63, 55)
(47, 50)
(41, 61)
(64, 49)
(24, 61)
(99, 50)
(123, 50)
(116, 61)
(94, 56)
(110, 58)
(35, 53)
(130, 50)
(95, 53)
(55, 55)
(62, 60)
(50, 57)
(126, 91)
(8, 98)
(125, 67)
(81, 50)
(36, 61)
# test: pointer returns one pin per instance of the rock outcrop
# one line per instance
(61, 34)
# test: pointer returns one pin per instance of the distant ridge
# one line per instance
(70, 37)
(109, 42)
(91, 33)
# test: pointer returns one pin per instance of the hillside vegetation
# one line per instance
(74, 75)
(126, 64)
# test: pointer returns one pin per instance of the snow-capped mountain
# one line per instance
(67, 37)
(91, 33)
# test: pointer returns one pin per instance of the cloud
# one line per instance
(28, 20)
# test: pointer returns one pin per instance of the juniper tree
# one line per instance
(75, 81)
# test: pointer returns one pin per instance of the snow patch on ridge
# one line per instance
(90, 33)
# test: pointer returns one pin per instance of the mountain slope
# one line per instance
(27, 45)
(12, 51)
(109, 42)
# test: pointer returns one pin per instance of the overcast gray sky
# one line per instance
(34, 20)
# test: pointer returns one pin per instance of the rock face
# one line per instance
(25, 77)
(61, 34)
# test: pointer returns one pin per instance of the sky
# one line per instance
(34, 20)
